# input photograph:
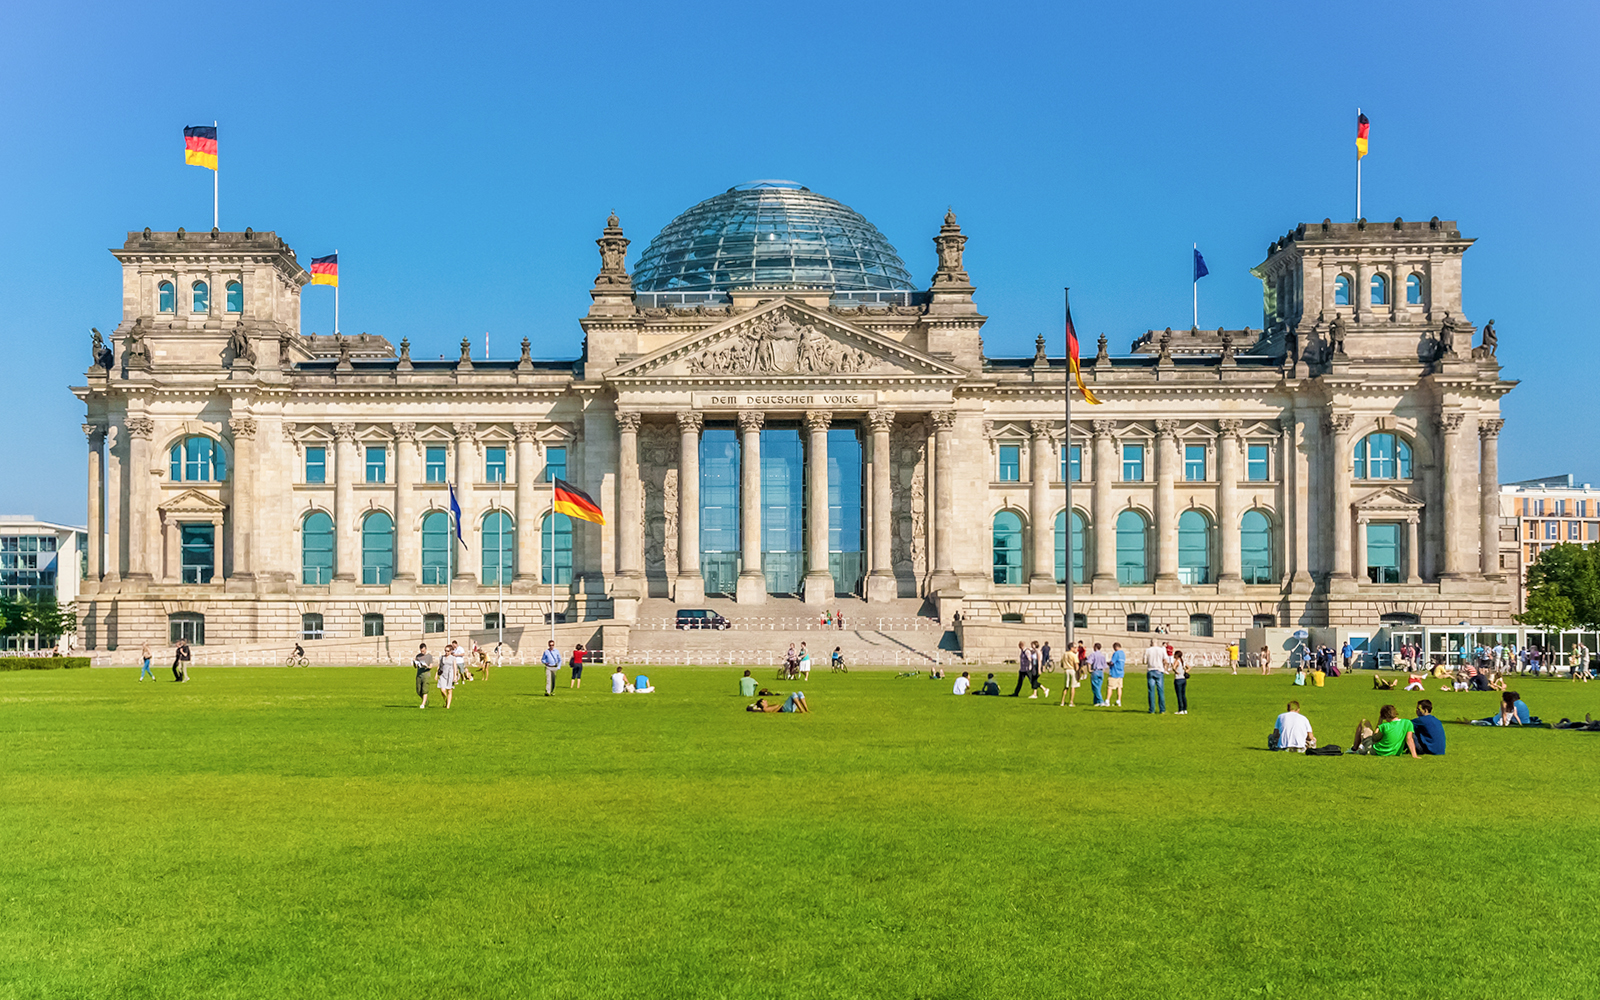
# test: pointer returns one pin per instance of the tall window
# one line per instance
(719, 510)
(1199, 624)
(1131, 548)
(494, 465)
(436, 548)
(197, 544)
(1007, 549)
(1380, 290)
(377, 458)
(499, 548)
(1010, 463)
(235, 297)
(188, 626)
(1072, 463)
(433, 468)
(1194, 548)
(371, 625)
(1256, 467)
(1194, 463)
(1133, 463)
(197, 460)
(1076, 544)
(555, 550)
(1341, 290)
(377, 549)
(432, 622)
(316, 549)
(1414, 290)
(555, 464)
(1255, 548)
(1382, 456)
(845, 534)
(311, 626)
(202, 297)
(1383, 552)
(166, 297)
(316, 465)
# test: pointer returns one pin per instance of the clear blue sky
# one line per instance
(463, 157)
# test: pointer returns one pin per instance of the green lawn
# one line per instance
(310, 833)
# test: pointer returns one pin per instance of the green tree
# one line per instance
(1564, 588)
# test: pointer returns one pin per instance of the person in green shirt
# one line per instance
(1393, 735)
(747, 686)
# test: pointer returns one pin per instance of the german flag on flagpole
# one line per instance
(325, 270)
(1072, 359)
(200, 146)
(1361, 135)
(573, 502)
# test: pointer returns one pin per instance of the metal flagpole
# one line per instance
(1358, 173)
(552, 548)
(1196, 283)
(500, 554)
(215, 224)
(449, 570)
(1067, 583)
(336, 292)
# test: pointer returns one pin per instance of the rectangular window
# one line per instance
(1133, 463)
(310, 626)
(376, 461)
(555, 464)
(1010, 463)
(493, 622)
(1383, 553)
(316, 465)
(494, 465)
(371, 625)
(434, 465)
(197, 546)
(1072, 463)
(432, 623)
(1552, 530)
(1594, 531)
(1574, 531)
(1256, 464)
(1194, 463)
(1538, 508)
(1583, 508)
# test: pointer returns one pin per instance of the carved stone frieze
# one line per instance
(908, 445)
(772, 344)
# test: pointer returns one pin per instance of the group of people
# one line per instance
(794, 702)
(1392, 736)
(797, 663)
(180, 661)
(453, 668)
(1104, 671)
(834, 619)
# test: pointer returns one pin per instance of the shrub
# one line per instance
(43, 662)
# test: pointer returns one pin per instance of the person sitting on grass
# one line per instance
(1292, 731)
(1428, 730)
(990, 687)
(1393, 735)
(1513, 712)
(619, 683)
(747, 686)
(963, 683)
(1383, 683)
(642, 685)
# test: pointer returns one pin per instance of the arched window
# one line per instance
(377, 550)
(555, 550)
(436, 549)
(202, 297)
(1200, 625)
(1382, 456)
(1076, 547)
(1131, 548)
(1194, 548)
(1341, 290)
(316, 549)
(1414, 290)
(197, 460)
(1380, 290)
(499, 548)
(1255, 548)
(1007, 548)
(235, 297)
(166, 297)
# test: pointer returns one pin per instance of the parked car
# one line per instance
(702, 618)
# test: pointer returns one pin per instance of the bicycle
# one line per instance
(296, 660)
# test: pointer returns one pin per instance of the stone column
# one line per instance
(1042, 580)
(116, 528)
(752, 585)
(630, 503)
(881, 584)
(243, 475)
(1345, 563)
(96, 435)
(1449, 458)
(819, 580)
(1489, 496)
(1228, 516)
(1105, 527)
(1413, 552)
(466, 561)
(407, 532)
(1294, 469)
(944, 493)
(1359, 568)
(346, 532)
(1166, 503)
(216, 550)
(140, 505)
(690, 587)
(528, 526)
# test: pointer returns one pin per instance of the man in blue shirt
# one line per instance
(1097, 673)
(552, 666)
(1427, 730)
(1119, 666)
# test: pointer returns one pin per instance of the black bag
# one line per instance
(1331, 750)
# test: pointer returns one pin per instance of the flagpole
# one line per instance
(449, 573)
(500, 555)
(336, 292)
(1066, 584)
(1358, 174)
(215, 216)
(1196, 284)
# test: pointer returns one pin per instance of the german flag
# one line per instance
(1072, 359)
(1361, 135)
(200, 146)
(573, 502)
(325, 270)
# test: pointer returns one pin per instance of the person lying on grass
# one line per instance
(1392, 735)
(796, 702)
(1589, 724)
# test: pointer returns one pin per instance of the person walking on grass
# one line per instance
(1022, 668)
(144, 656)
(551, 658)
(1233, 656)
(1180, 681)
(446, 681)
(1264, 661)
(576, 662)
(1155, 669)
(180, 662)
(422, 663)
(1115, 672)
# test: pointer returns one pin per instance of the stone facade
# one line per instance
(1196, 432)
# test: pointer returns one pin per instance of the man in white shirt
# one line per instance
(1292, 730)
(1155, 669)
(963, 683)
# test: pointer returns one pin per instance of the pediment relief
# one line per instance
(1387, 502)
(785, 339)
(192, 502)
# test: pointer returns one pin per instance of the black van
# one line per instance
(702, 618)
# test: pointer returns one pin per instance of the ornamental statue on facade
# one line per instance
(1447, 338)
(1489, 344)
(99, 353)
(239, 349)
(613, 254)
(949, 244)
(1336, 337)
(135, 352)
(773, 345)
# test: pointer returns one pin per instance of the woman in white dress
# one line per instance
(805, 662)
(447, 675)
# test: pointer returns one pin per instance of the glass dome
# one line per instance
(770, 234)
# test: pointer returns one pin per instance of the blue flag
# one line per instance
(1200, 270)
(455, 510)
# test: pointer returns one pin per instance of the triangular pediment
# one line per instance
(784, 339)
(192, 502)
(1387, 500)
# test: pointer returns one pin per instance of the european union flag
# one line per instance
(455, 511)
(1200, 270)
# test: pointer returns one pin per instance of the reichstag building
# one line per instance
(770, 408)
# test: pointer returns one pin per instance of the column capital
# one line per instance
(142, 428)
(1102, 428)
(95, 434)
(751, 420)
(1488, 429)
(344, 432)
(944, 420)
(405, 431)
(243, 427)
(691, 421)
(1451, 422)
(465, 430)
(881, 420)
(629, 420)
(818, 420)
(1339, 423)
(1230, 427)
(1166, 428)
(525, 430)
(1040, 429)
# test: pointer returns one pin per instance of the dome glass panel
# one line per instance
(770, 234)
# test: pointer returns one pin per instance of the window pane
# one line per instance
(494, 461)
(202, 297)
(167, 301)
(1072, 464)
(376, 460)
(782, 509)
(235, 302)
(1010, 463)
(1194, 463)
(1414, 290)
(1007, 549)
(555, 464)
(436, 549)
(1380, 290)
(316, 549)
(1403, 451)
(1133, 463)
(377, 550)
(1255, 548)
(499, 549)
(434, 465)
(1130, 548)
(555, 552)
(196, 542)
(1341, 291)
(316, 465)
(1383, 553)
(845, 525)
(1061, 544)
(1194, 548)
(1256, 463)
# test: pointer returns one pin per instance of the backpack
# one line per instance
(1331, 750)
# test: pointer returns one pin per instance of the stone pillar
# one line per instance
(1166, 503)
(881, 584)
(346, 532)
(1042, 580)
(1344, 561)
(1295, 472)
(528, 526)
(407, 532)
(752, 585)
(1449, 459)
(116, 528)
(244, 477)
(819, 581)
(1105, 527)
(96, 436)
(1489, 497)
(216, 549)
(630, 505)
(1228, 516)
(1359, 567)
(140, 505)
(944, 493)
(1413, 552)
(466, 562)
(690, 587)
